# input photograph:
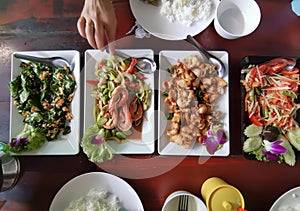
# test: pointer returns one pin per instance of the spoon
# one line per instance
(144, 64)
(55, 61)
(211, 58)
(290, 63)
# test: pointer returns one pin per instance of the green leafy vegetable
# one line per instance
(96, 149)
(34, 140)
(43, 96)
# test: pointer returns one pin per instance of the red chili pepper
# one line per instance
(131, 68)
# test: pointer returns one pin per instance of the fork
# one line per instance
(183, 203)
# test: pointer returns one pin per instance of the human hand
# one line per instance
(98, 23)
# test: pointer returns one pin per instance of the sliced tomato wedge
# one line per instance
(255, 120)
(293, 71)
(92, 82)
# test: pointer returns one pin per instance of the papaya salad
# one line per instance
(121, 98)
(271, 90)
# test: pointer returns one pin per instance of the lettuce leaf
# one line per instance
(96, 152)
(34, 140)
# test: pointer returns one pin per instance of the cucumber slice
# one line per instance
(289, 155)
(252, 144)
(253, 130)
(294, 136)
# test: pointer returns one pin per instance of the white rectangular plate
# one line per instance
(65, 144)
(165, 147)
(146, 144)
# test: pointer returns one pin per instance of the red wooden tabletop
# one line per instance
(51, 25)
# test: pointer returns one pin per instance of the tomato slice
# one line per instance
(255, 120)
(92, 82)
(293, 71)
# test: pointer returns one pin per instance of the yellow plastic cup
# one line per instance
(220, 196)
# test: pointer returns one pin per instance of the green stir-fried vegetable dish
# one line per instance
(42, 95)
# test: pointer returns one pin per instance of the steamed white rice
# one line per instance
(96, 200)
(289, 208)
(179, 10)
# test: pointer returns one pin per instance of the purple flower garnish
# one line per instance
(97, 139)
(16, 141)
(272, 149)
(270, 156)
(212, 141)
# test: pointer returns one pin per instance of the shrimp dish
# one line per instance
(121, 97)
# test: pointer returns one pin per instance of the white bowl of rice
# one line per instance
(289, 201)
(289, 208)
(174, 19)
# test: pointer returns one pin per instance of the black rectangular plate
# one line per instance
(255, 60)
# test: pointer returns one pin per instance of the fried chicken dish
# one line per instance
(191, 94)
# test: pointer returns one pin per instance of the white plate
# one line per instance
(288, 199)
(166, 59)
(146, 144)
(80, 185)
(149, 17)
(65, 144)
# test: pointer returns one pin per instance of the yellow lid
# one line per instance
(225, 198)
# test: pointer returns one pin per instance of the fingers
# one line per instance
(99, 37)
(94, 34)
(111, 35)
(90, 29)
(111, 47)
(81, 26)
(97, 33)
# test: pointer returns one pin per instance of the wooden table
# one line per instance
(51, 25)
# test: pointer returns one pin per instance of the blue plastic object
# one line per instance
(296, 7)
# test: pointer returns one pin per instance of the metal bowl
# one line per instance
(9, 171)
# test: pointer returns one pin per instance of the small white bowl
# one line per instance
(236, 18)
(195, 203)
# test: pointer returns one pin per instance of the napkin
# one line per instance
(140, 32)
(296, 7)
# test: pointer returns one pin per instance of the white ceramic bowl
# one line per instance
(195, 203)
(80, 185)
(288, 200)
(236, 18)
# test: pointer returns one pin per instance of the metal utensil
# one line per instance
(211, 58)
(144, 64)
(183, 203)
(9, 169)
(55, 61)
(291, 63)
